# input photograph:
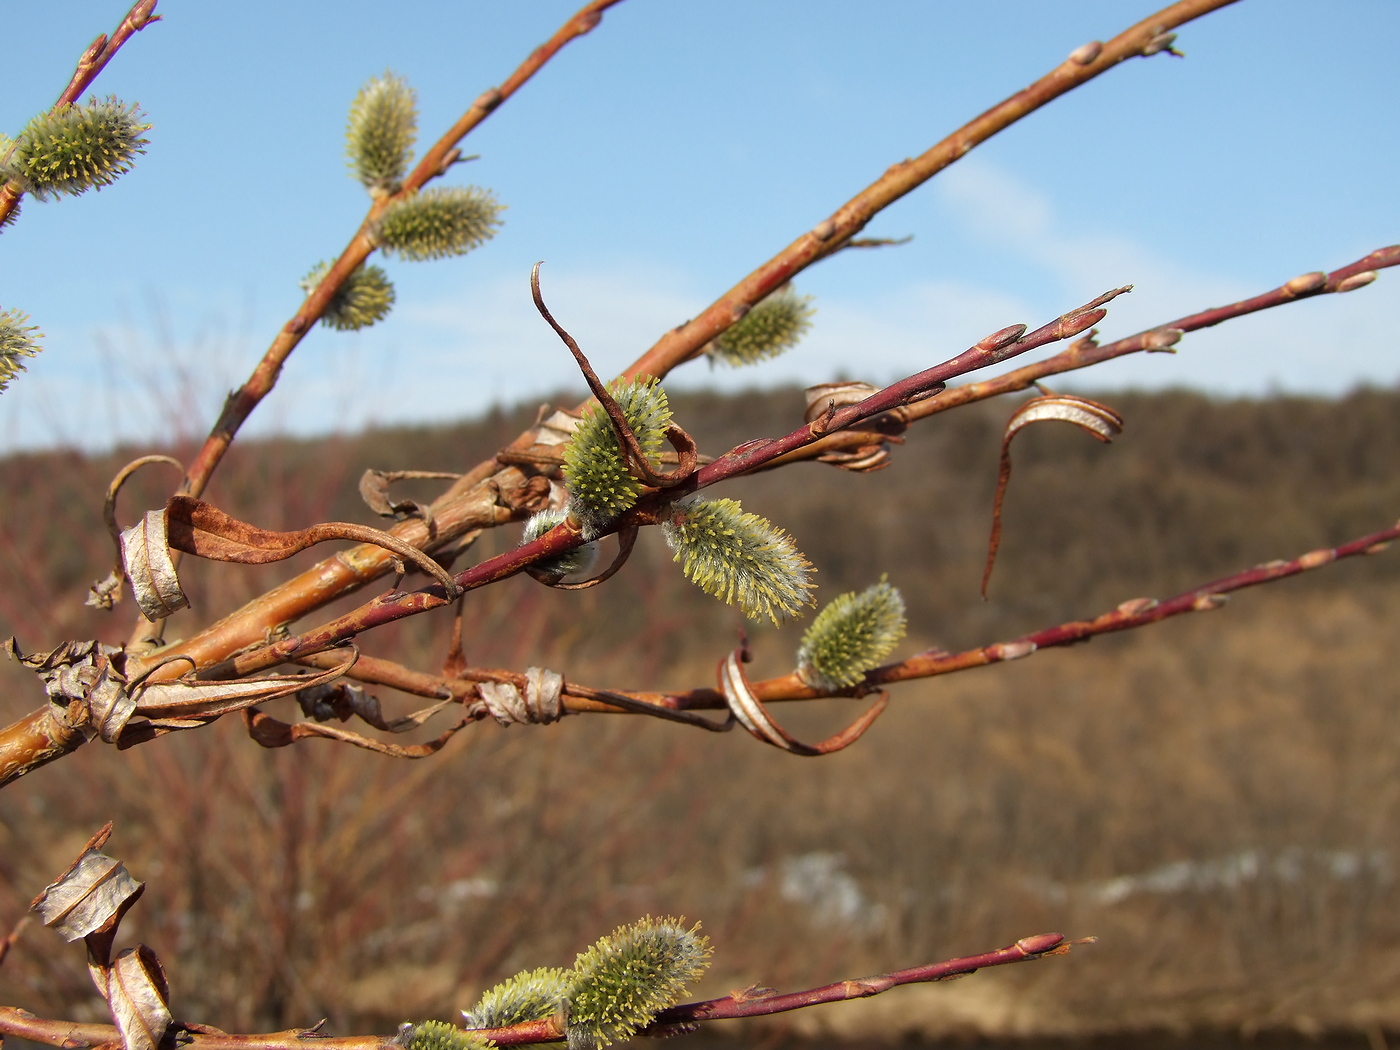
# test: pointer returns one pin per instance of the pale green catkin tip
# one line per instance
(630, 976)
(17, 340)
(366, 296)
(600, 486)
(850, 636)
(774, 325)
(439, 222)
(739, 558)
(580, 559)
(439, 1035)
(77, 148)
(381, 131)
(531, 995)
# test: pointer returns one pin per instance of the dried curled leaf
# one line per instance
(748, 709)
(146, 559)
(85, 686)
(200, 528)
(1098, 420)
(374, 490)
(138, 996)
(95, 890)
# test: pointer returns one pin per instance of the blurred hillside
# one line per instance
(1215, 798)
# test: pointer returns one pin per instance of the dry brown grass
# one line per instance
(1215, 798)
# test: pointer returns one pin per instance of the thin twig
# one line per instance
(687, 341)
(73, 1036)
(240, 403)
(94, 59)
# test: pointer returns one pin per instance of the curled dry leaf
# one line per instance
(93, 891)
(84, 684)
(1090, 416)
(271, 732)
(345, 701)
(753, 716)
(374, 490)
(138, 996)
(200, 528)
(148, 565)
(106, 593)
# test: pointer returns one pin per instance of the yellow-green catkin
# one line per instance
(531, 995)
(17, 341)
(739, 558)
(380, 133)
(366, 297)
(77, 148)
(439, 1035)
(628, 977)
(600, 485)
(438, 223)
(850, 636)
(775, 324)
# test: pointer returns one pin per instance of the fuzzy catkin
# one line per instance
(77, 148)
(439, 1035)
(628, 977)
(531, 995)
(739, 558)
(774, 325)
(381, 130)
(850, 636)
(600, 485)
(578, 560)
(365, 297)
(17, 341)
(440, 222)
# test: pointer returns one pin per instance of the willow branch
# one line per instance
(1085, 353)
(464, 505)
(1138, 612)
(833, 233)
(242, 402)
(72, 1036)
(396, 605)
(94, 60)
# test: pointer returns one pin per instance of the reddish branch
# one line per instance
(468, 504)
(387, 608)
(72, 1036)
(435, 162)
(94, 59)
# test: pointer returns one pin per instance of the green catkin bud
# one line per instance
(774, 325)
(439, 222)
(366, 296)
(850, 636)
(439, 1035)
(630, 976)
(17, 341)
(600, 486)
(739, 558)
(381, 131)
(578, 560)
(531, 995)
(77, 148)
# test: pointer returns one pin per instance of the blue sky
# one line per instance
(660, 158)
